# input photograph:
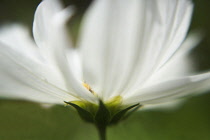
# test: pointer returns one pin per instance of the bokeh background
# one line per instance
(22, 120)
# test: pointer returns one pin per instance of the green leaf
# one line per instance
(103, 115)
(117, 117)
(85, 115)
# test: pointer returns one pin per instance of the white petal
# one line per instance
(18, 37)
(171, 89)
(20, 79)
(52, 38)
(42, 25)
(181, 18)
(162, 37)
(122, 41)
(166, 106)
(109, 44)
(18, 45)
(180, 64)
(93, 44)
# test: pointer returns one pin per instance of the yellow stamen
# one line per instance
(88, 88)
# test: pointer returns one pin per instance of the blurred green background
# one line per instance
(21, 120)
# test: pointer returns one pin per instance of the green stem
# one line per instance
(101, 131)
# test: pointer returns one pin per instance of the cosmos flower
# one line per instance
(128, 52)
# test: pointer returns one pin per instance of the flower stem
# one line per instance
(102, 131)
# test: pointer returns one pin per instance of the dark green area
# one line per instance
(28, 121)
(21, 120)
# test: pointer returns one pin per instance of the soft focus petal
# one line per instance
(171, 89)
(18, 36)
(166, 106)
(17, 41)
(21, 79)
(52, 38)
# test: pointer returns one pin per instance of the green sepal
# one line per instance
(131, 111)
(114, 105)
(103, 115)
(85, 115)
(118, 116)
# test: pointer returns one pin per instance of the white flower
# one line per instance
(133, 49)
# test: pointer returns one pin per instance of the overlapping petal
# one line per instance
(48, 64)
(22, 78)
(126, 48)
(171, 89)
(124, 42)
(55, 43)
